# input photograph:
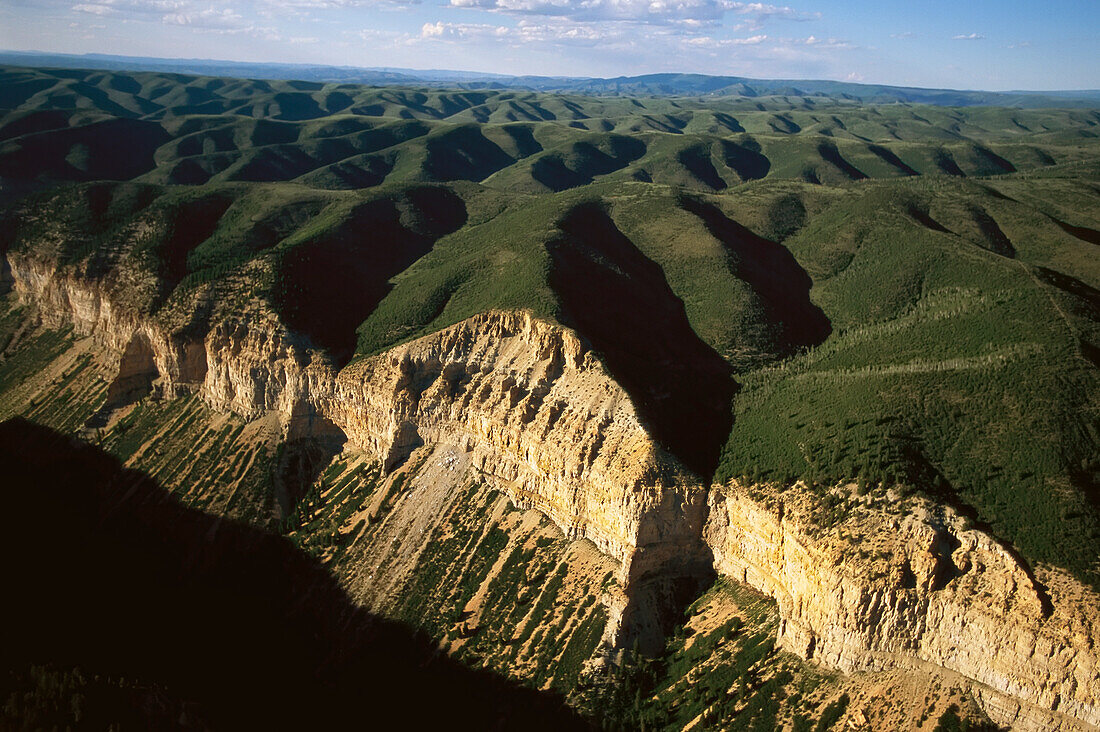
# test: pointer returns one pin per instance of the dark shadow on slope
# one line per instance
(746, 159)
(29, 123)
(991, 163)
(361, 171)
(786, 215)
(619, 301)
(189, 225)
(1085, 234)
(15, 91)
(581, 162)
(117, 149)
(697, 161)
(329, 285)
(888, 157)
(776, 278)
(829, 152)
(295, 106)
(464, 154)
(947, 164)
(137, 371)
(1086, 299)
(728, 121)
(524, 140)
(993, 238)
(922, 217)
(783, 124)
(312, 441)
(238, 627)
(274, 163)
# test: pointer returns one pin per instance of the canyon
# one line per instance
(901, 583)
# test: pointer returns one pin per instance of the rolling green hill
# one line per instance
(63, 125)
(789, 286)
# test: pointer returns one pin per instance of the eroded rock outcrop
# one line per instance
(914, 588)
(539, 418)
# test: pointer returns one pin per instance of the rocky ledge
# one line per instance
(537, 410)
(897, 585)
(906, 583)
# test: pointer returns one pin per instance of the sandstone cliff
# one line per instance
(537, 416)
(914, 587)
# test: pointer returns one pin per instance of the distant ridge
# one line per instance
(666, 84)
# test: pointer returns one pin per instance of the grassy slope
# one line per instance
(952, 368)
(67, 125)
(917, 327)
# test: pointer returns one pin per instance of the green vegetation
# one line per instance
(726, 675)
(886, 294)
(197, 130)
(951, 369)
(903, 297)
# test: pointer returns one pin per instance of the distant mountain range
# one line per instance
(670, 84)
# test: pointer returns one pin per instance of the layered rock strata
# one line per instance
(536, 410)
(539, 418)
(914, 588)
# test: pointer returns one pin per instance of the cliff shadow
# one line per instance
(670, 569)
(311, 442)
(619, 301)
(776, 278)
(330, 284)
(137, 372)
(106, 572)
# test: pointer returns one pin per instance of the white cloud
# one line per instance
(903, 35)
(824, 42)
(652, 11)
(968, 37)
(455, 31)
(132, 7)
(198, 15)
(94, 9)
(705, 42)
(271, 8)
(525, 34)
(208, 18)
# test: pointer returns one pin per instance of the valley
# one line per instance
(632, 412)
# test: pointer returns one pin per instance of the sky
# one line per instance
(961, 44)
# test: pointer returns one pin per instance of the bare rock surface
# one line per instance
(534, 413)
(912, 587)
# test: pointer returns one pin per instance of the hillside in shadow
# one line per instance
(105, 572)
(789, 318)
(329, 285)
(619, 300)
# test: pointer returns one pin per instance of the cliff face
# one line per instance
(541, 420)
(540, 417)
(912, 590)
(537, 416)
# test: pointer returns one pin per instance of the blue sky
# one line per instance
(976, 44)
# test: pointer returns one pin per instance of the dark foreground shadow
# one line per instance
(104, 571)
